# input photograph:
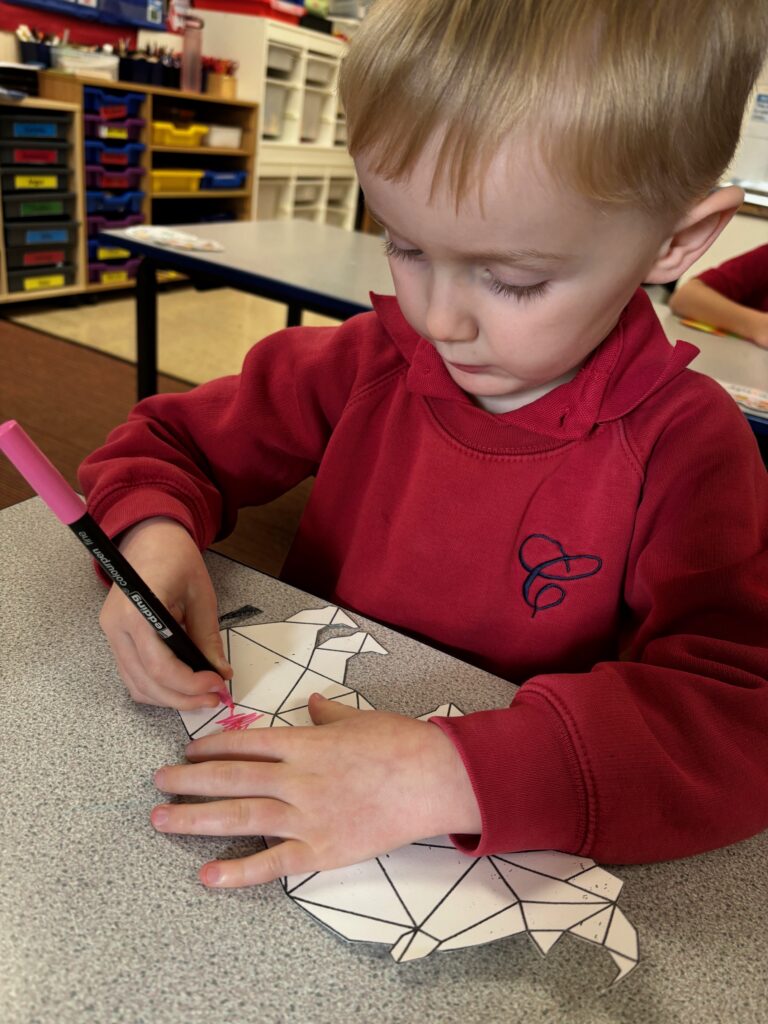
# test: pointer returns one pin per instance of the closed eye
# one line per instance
(401, 254)
(521, 292)
(517, 291)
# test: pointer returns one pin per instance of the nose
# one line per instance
(449, 316)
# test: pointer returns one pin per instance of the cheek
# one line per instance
(410, 289)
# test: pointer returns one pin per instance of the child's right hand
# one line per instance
(168, 560)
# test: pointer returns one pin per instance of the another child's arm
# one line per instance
(696, 300)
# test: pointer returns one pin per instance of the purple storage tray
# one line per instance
(97, 223)
(97, 128)
(95, 270)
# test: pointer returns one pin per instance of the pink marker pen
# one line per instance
(48, 482)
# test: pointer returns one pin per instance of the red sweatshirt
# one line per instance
(743, 279)
(604, 546)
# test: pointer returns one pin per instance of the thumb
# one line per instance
(203, 627)
(324, 711)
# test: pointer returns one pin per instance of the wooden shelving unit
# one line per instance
(74, 162)
(159, 104)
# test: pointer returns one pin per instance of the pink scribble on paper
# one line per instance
(238, 721)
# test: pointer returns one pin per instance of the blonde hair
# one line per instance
(630, 101)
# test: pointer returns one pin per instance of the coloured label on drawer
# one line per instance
(111, 180)
(41, 209)
(114, 276)
(31, 130)
(35, 181)
(104, 253)
(106, 132)
(35, 156)
(37, 259)
(34, 284)
(114, 112)
(45, 237)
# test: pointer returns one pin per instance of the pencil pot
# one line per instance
(224, 86)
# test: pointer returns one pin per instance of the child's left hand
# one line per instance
(354, 785)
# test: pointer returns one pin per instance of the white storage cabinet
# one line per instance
(303, 168)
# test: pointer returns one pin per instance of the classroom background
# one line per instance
(116, 114)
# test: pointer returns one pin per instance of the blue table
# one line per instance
(307, 266)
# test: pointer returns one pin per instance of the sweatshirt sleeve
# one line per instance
(743, 279)
(664, 752)
(199, 456)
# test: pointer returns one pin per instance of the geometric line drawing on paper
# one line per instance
(426, 896)
(278, 665)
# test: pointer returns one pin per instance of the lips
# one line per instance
(464, 368)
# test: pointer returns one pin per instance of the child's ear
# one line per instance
(694, 233)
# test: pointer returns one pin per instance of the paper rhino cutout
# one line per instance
(426, 896)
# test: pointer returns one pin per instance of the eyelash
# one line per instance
(496, 287)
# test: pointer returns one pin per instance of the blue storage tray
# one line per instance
(126, 202)
(112, 106)
(102, 153)
(223, 179)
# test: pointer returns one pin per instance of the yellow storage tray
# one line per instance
(176, 180)
(166, 134)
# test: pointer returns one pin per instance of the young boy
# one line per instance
(511, 461)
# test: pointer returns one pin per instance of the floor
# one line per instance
(69, 396)
(201, 335)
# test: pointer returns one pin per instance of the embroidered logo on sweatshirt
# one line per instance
(549, 565)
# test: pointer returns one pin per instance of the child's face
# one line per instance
(518, 293)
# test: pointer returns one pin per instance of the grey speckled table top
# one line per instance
(103, 920)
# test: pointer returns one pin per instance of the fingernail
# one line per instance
(159, 816)
(157, 778)
(212, 874)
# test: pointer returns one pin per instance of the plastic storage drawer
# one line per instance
(176, 180)
(112, 106)
(125, 177)
(53, 232)
(281, 60)
(104, 252)
(97, 223)
(35, 179)
(122, 131)
(164, 133)
(26, 125)
(307, 193)
(311, 117)
(97, 152)
(102, 202)
(113, 273)
(30, 256)
(223, 179)
(27, 205)
(270, 193)
(39, 281)
(34, 153)
(275, 103)
(320, 71)
(223, 136)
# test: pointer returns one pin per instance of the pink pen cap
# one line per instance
(40, 473)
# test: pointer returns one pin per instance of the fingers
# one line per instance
(203, 627)
(323, 711)
(239, 817)
(291, 857)
(220, 778)
(248, 745)
(189, 690)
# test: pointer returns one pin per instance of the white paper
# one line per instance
(427, 896)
